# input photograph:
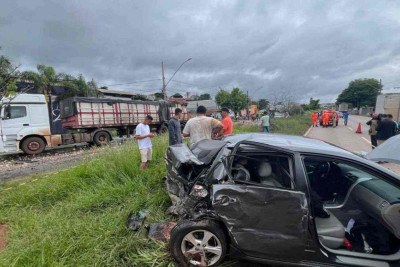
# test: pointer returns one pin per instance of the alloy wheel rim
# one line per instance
(201, 248)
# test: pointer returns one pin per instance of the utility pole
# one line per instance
(248, 104)
(163, 91)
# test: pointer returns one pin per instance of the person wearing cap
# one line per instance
(201, 127)
(143, 137)
(227, 124)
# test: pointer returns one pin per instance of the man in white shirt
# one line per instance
(143, 136)
(202, 127)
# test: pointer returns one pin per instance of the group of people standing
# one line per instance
(381, 128)
(325, 117)
(197, 128)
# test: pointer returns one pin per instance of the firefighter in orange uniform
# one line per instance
(325, 119)
(314, 118)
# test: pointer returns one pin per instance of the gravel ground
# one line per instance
(19, 165)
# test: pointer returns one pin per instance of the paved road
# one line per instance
(345, 136)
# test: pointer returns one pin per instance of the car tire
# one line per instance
(33, 145)
(101, 138)
(188, 244)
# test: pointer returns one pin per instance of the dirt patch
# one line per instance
(44, 163)
(3, 236)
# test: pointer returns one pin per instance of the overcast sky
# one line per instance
(305, 48)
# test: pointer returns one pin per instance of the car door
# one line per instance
(264, 221)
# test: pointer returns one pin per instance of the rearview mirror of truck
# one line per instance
(3, 111)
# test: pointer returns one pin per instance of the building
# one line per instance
(114, 94)
(210, 105)
(388, 104)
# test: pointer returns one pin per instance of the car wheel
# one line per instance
(101, 138)
(33, 145)
(200, 243)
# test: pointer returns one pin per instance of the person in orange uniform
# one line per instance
(325, 119)
(314, 118)
(227, 124)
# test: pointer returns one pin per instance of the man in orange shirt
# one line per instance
(314, 117)
(325, 119)
(226, 122)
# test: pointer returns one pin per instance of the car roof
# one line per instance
(291, 142)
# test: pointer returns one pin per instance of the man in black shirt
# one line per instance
(386, 129)
(174, 128)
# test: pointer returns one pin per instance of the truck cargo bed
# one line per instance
(81, 112)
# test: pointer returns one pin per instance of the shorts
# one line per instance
(145, 154)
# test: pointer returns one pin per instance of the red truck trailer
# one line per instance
(96, 117)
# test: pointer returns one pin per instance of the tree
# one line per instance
(140, 97)
(8, 76)
(361, 92)
(263, 103)
(235, 100)
(46, 78)
(312, 105)
(159, 96)
(204, 97)
(177, 95)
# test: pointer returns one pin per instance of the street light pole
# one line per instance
(163, 81)
(164, 90)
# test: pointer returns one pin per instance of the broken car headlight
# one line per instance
(199, 191)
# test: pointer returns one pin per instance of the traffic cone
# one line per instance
(359, 128)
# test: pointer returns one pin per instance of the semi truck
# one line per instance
(33, 122)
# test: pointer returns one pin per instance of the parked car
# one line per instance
(330, 112)
(284, 200)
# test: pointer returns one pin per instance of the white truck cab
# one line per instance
(24, 124)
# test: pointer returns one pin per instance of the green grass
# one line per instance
(77, 217)
(295, 125)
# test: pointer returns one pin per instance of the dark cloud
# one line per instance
(307, 48)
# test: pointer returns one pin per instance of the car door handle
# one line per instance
(25, 124)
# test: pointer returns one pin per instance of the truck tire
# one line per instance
(163, 129)
(186, 253)
(102, 138)
(33, 145)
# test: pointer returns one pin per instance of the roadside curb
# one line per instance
(308, 131)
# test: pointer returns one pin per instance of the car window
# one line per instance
(14, 112)
(267, 170)
(331, 180)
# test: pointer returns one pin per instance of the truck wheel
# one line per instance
(200, 243)
(163, 129)
(33, 145)
(101, 138)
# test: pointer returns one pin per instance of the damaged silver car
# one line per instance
(281, 199)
